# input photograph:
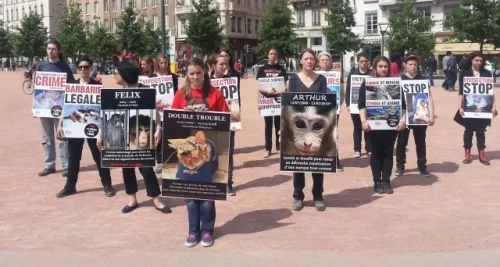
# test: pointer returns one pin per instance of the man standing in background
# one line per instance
(431, 67)
(446, 58)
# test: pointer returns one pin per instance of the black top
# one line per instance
(419, 76)
(92, 81)
(362, 96)
(348, 87)
(318, 86)
(269, 71)
(470, 73)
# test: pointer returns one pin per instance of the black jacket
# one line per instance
(92, 81)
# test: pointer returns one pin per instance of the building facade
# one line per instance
(241, 20)
(107, 13)
(51, 10)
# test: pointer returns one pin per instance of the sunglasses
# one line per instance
(83, 67)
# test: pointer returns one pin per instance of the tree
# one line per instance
(152, 39)
(479, 22)
(409, 30)
(277, 30)
(31, 37)
(5, 45)
(129, 33)
(101, 43)
(204, 31)
(71, 32)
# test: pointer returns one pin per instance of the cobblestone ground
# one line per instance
(449, 219)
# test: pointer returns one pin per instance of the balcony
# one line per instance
(308, 3)
(388, 3)
(183, 9)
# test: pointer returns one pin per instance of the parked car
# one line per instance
(255, 68)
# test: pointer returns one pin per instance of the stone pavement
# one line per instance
(449, 219)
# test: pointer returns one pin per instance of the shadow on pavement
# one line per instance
(413, 179)
(444, 167)
(355, 163)
(88, 168)
(248, 149)
(264, 182)
(348, 198)
(254, 222)
(258, 163)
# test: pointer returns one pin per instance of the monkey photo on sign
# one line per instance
(114, 134)
(308, 131)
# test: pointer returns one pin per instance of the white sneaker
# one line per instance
(357, 154)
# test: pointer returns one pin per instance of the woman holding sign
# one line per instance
(381, 160)
(475, 100)
(357, 132)
(198, 94)
(162, 68)
(308, 81)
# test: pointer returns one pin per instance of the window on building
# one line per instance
(41, 10)
(155, 22)
(144, 3)
(123, 4)
(106, 24)
(113, 25)
(24, 13)
(183, 26)
(256, 26)
(316, 16)
(446, 10)
(166, 21)
(166, 2)
(425, 11)
(7, 16)
(239, 25)
(248, 2)
(106, 7)
(87, 5)
(257, 4)
(134, 3)
(301, 18)
(371, 22)
(238, 2)
(113, 5)
(96, 7)
(249, 26)
(394, 11)
(36, 8)
(17, 14)
(155, 3)
(233, 24)
(316, 41)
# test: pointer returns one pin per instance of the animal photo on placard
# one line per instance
(48, 99)
(418, 108)
(478, 103)
(383, 92)
(136, 133)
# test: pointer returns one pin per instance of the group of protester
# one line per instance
(379, 145)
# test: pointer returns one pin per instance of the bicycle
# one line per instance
(28, 86)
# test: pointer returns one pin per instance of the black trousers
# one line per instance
(357, 134)
(381, 161)
(299, 182)
(75, 148)
(159, 159)
(269, 131)
(231, 162)
(419, 135)
(480, 137)
(150, 180)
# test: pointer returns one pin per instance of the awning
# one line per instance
(463, 48)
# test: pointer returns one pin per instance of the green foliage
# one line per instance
(277, 30)
(338, 33)
(71, 32)
(409, 30)
(478, 22)
(101, 42)
(5, 45)
(204, 31)
(129, 33)
(31, 37)
(152, 39)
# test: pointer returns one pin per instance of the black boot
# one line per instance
(66, 191)
(378, 188)
(387, 188)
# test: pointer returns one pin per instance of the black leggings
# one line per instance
(269, 131)
(150, 180)
(480, 137)
(357, 133)
(381, 161)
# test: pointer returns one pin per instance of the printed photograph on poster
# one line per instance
(478, 97)
(82, 111)
(128, 127)
(48, 96)
(230, 90)
(164, 87)
(356, 81)
(196, 155)
(308, 133)
(383, 102)
(333, 82)
(270, 90)
(418, 108)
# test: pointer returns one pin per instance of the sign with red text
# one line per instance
(270, 90)
(82, 111)
(383, 103)
(478, 97)
(333, 82)
(229, 88)
(48, 98)
(164, 86)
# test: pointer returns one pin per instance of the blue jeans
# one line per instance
(431, 77)
(48, 129)
(201, 211)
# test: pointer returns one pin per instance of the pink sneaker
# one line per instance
(357, 154)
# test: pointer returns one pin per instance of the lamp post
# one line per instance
(383, 30)
(163, 30)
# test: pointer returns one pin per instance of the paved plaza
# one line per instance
(449, 219)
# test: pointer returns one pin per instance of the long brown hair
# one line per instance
(376, 60)
(149, 62)
(310, 51)
(167, 66)
(205, 89)
(213, 60)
